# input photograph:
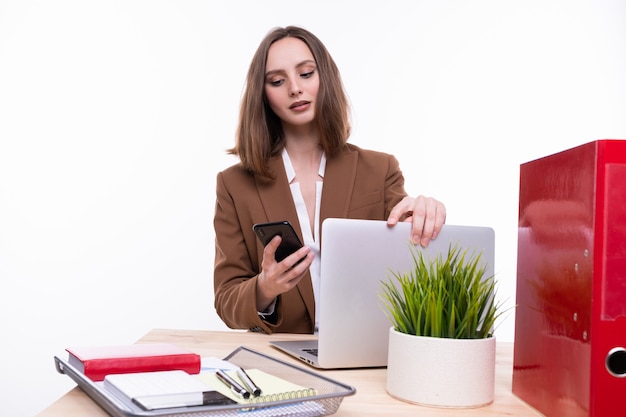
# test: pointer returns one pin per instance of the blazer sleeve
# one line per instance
(235, 277)
(394, 185)
(238, 256)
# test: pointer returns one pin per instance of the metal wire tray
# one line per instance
(330, 393)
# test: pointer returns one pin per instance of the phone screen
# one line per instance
(290, 241)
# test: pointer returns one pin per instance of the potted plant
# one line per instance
(441, 344)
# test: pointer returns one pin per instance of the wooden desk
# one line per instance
(370, 399)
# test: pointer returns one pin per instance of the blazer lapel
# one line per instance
(275, 196)
(339, 179)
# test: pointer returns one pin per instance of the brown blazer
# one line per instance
(358, 183)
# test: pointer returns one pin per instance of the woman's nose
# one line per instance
(294, 89)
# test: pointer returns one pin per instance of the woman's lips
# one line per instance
(300, 105)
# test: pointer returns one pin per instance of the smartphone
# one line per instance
(290, 241)
(216, 398)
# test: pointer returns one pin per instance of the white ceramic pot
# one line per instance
(441, 372)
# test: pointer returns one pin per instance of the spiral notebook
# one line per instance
(273, 388)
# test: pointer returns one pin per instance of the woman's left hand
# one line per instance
(426, 213)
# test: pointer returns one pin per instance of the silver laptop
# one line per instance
(356, 256)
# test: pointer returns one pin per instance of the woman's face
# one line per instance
(291, 81)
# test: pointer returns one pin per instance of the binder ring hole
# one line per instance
(616, 362)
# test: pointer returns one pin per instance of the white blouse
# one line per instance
(311, 238)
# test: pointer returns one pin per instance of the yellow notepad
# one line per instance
(273, 388)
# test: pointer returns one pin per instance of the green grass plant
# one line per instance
(447, 297)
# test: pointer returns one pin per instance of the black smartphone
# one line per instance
(290, 241)
(216, 398)
(208, 398)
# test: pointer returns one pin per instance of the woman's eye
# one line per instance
(276, 83)
(307, 74)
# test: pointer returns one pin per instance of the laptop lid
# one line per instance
(356, 255)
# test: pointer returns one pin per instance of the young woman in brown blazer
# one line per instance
(296, 165)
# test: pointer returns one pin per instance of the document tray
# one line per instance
(326, 401)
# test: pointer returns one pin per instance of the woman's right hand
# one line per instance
(279, 277)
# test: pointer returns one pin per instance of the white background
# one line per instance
(115, 117)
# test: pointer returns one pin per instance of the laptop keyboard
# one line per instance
(312, 351)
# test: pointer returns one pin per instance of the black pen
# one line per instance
(232, 384)
(252, 387)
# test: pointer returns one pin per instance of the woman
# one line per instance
(296, 165)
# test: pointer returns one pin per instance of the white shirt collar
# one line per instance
(291, 173)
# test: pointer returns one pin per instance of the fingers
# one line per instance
(426, 214)
(428, 218)
(269, 255)
(398, 211)
(296, 262)
(278, 277)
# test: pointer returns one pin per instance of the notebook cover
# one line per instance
(98, 361)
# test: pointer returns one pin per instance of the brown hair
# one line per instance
(260, 133)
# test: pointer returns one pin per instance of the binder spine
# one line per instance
(608, 350)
